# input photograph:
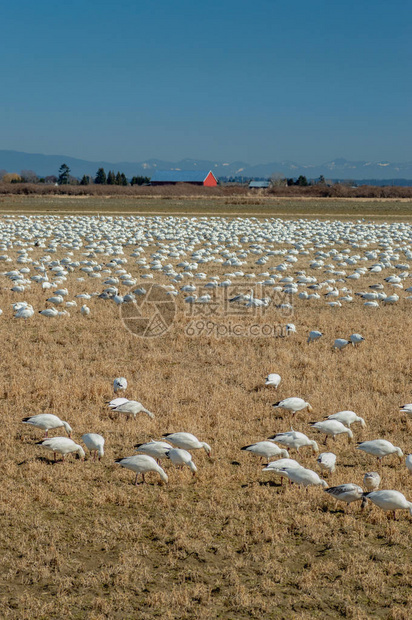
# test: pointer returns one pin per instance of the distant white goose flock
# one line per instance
(266, 450)
(61, 445)
(95, 444)
(347, 418)
(187, 441)
(47, 421)
(142, 464)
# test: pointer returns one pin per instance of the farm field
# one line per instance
(250, 205)
(79, 540)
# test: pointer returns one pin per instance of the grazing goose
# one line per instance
(347, 418)
(314, 335)
(187, 441)
(49, 313)
(62, 445)
(346, 492)
(180, 458)
(116, 402)
(340, 343)
(132, 408)
(379, 448)
(371, 480)
(85, 310)
(293, 404)
(119, 384)
(94, 443)
(295, 439)
(141, 464)
(266, 449)
(276, 467)
(408, 463)
(327, 461)
(156, 449)
(47, 421)
(273, 379)
(303, 477)
(389, 500)
(331, 428)
(356, 339)
(406, 409)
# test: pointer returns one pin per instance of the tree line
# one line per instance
(65, 178)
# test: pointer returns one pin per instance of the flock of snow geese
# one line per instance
(110, 259)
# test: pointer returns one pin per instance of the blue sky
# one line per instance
(258, 81)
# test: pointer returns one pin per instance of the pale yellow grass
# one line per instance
(78, 540)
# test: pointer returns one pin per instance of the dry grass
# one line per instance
(246, 205)
(80, 541)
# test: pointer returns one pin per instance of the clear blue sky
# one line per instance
(228, 80)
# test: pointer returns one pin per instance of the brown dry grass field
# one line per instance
(243, 205)
(80, 541)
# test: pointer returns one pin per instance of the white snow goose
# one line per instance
(293, 404)
(142, 464)
(273, 380)
(266, 450)
(95, 444)
(380, 448)
(304, 477)
(156, 449)
(389, 500)
(132, 408)
(47, 421)
(61, 445)
(371, 480)
(346, 492)
(119, 384)
(180, 458)
(331, 428)
(347, 418)
(327, 461)
(295, 439)
(187, 441)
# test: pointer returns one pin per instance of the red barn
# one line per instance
(194, 177)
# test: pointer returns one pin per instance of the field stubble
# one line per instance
(79, 540)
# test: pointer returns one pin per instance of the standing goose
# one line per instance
(187, 441)
(371, 480)
(132, 408)
(314, 335)
(94, 443)
(346, 492)
(141, 464)
(380, 448)
(180, 458)
(389, 500)
(47, 421)
(408, 463)
(347, 418)
(119, 384)
(266, 449)
(340, 343)
(295, 439)
(331, 428)
(62, 445)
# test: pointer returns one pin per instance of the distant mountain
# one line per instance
(44, 165)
